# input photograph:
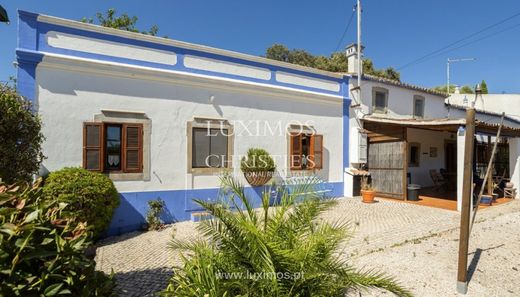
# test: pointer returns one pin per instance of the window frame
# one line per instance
(312, 150)
(415, 99)
(376, 90)
(411, 162)
(198, 123)
(103, 150)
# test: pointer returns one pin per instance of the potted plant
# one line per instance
(258, 166)
(367, 192)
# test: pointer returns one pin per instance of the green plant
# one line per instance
(365, 183)
(21, 139)
(275, 251)
(257, 160)
(91, 196)
(155, 209)
(42, 252)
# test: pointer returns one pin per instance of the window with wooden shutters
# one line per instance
(316, 152)
(93, 146)
(132, 148)
(296, 151)
(306, 151)
(113, 147)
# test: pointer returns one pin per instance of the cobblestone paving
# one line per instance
(142, 262)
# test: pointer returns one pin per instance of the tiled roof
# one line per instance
(401, 84)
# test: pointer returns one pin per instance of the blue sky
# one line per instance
(395, 32)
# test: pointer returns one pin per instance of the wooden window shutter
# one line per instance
(133, 148)
(93, 146)
(317, 151)
(296, 151)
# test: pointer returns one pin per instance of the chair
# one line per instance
(439, 182)
(510, 191)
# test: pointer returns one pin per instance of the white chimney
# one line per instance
(352, 57)
(457, 89)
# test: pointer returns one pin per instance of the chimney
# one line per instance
(457, 89)
(352, 57)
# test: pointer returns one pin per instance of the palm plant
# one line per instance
(272, 251)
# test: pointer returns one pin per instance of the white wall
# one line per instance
(67, 98)
(514, 163)
(421, 175)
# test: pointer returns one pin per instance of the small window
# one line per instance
(306, 151)
(415, 154)
(210, 145)
(209, 148)
(113, 147)
(418, 106)
(380, 100)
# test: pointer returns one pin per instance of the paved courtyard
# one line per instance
(142, 261)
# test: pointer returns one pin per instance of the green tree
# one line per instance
(467, 90)
(336, 62)
(122, 22)
(483, 87)
(21, 137)
(463, 90)
(292, 250)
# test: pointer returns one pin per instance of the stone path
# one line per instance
(142, 261)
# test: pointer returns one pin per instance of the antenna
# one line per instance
(448, 70)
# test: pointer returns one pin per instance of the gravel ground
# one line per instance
(416, 244)
(429, 266)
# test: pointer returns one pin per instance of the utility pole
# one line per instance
(448, 70)
(360, 62)
(467, 187)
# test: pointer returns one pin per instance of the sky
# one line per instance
(395, 32)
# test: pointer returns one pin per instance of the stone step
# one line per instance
(200, 216)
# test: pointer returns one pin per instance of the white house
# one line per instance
(164, 118)
(400, 133)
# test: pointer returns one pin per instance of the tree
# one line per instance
(21, 138)
(122, 22)
(466, 90)
(292, 250)
(336, 62)
(483, 87)
(463, 90)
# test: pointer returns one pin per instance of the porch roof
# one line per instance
(443, 124)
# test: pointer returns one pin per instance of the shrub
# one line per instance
(41, 252)
(257, 160)
(153, 217)
(91, 196)
(21, 139)
(275, 251)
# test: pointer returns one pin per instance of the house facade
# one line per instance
(400, 133)
(164, 119)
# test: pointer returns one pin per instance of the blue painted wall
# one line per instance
(131, 213)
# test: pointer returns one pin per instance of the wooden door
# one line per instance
(387, 167)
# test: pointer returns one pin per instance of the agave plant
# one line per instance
(272, 251)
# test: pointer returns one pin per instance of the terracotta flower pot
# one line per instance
(368, 196)
(258, 178)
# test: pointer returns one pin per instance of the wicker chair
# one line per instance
(439, 182)
(510, 191)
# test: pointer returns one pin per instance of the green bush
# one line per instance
(285, 250)
(21, 139)
(91, 196)
(41, 252)
(257, 160)
(153, 216)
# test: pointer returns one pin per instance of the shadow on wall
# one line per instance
(131, 213)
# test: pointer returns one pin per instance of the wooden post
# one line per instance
(462, 273)
(490, 186)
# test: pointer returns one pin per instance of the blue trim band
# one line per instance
(131, 214)
(33, 37)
